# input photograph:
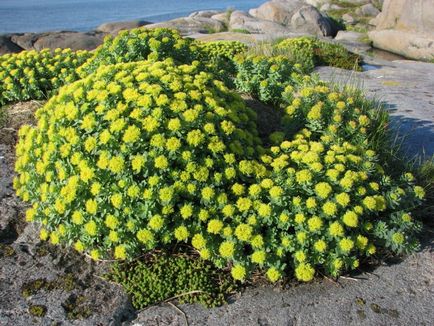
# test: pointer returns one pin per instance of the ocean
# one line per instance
(81, 15)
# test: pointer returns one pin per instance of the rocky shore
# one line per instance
(403, 27)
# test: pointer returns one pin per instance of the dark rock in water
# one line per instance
(63, 40)
(72, 40)
(115, 27)
(25, 40)
(7, 46)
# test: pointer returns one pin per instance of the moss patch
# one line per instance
(77, 307)
(38, 310)
(66, 282)
(6, 250)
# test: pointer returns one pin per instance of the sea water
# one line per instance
(82, 15)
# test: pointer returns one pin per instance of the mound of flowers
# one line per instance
(149, 154)
(32, 75)
(142, 44)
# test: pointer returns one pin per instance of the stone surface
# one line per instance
(243, 21)
(7, 46)
(393, 294)
(204, 13)
(406, 89)
(353, 41)
(406, 27)
(348, 19)
(191, 25)
(298, 16)
(368, 10)
(222, 17)
(72, 40)
(115, 27)
(408, 44)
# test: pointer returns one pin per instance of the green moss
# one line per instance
(6, 250)
(190, 280)
(66, 282)
(76, 307)
(31, 288)
(240, 30)
(38, 310)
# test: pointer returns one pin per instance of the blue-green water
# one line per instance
(81, 15)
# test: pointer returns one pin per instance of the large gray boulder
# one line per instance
(7, 46)
(242, 21)
(192, 25)
(72, 40)
(53, 40)
(406, 27)
(115, 27)
(297, 16)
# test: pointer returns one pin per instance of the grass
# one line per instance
(240, 30)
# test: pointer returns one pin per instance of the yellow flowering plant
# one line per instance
(34, 75)
(142, 44)
(146, 154)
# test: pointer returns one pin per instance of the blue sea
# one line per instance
(82, 15)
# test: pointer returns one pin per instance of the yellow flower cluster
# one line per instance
(33, 75)
(142, 154)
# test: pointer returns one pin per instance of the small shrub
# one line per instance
(34, 75)
(142, 44)
(164, 277)
(265, 78)
(310, 52)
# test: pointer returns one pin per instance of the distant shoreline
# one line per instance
(77, 15)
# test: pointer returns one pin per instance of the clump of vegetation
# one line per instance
(142, 44)
(150, 154)
(77, 307)
(6, 250)
(38, 310)
(180, 277)
(66, 282)
(35, 75)
(310, 52)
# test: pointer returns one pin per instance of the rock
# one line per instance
(53, 40)
(297, 16)
(367, 10)
(204, 13)
(353, 41)
(72, 40)
(222, 17)
(7, 46)
(253, 12)
(309, 19)
(348, 19)
(25, 40)
(406, 27)
(191, 25)
(243, 21)
(316, 3)
(411, 45)
(114, 27)
(348, 36)
(8, 136)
